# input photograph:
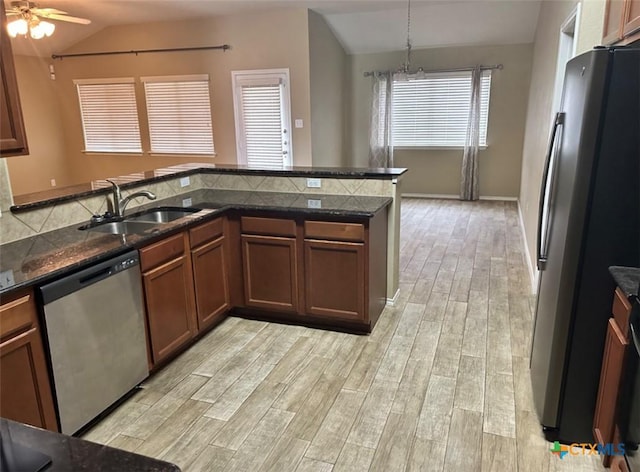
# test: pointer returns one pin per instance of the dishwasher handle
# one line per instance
(89, 276)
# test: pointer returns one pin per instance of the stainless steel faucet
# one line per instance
(119, 203)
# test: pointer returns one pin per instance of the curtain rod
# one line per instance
(460, 69)
(224, 47)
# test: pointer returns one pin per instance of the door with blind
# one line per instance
(263, 118)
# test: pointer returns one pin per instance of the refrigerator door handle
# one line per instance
(541, 252)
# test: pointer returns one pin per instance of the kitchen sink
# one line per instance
(162, 215)
(121, 227)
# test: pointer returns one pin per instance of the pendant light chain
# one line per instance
(407, 64)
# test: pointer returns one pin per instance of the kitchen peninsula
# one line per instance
(308, 246)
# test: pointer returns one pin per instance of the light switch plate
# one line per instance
(314, 183)
(185, 181)
(299, 123)
(186, 202)
(314, 203)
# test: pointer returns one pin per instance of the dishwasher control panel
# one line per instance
(126, 264)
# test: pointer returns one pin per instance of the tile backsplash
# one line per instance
(14, 226)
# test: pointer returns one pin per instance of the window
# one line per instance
(109, 115)
(433, 111)
(263, 118)
(179, 114)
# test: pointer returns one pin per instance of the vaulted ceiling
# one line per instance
(361, 25)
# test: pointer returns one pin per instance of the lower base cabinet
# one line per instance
(317, 272)
(185, 285)
(334, 279)
(210, 282)
(168, 292)
(25, 389)
(270, 272)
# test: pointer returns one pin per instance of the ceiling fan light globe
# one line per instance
(18, 27)
(37, 31)
(47, 27)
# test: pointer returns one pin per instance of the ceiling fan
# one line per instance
(32, 19)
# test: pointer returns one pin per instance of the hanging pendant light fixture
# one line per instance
(403, 73)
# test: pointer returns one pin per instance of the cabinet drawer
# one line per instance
(621, 311)
(268, 226)
(332, 230)
(206, 232)
(17, 315)
(162, 251)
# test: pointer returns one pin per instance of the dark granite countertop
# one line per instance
(37, 259)
(45, 198)
(74, 454)
(627, 278)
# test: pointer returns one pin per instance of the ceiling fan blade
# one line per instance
(70, 19)
(12, 13)
(47, 11)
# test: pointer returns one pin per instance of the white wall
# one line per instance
(327, 63)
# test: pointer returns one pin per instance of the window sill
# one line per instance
(177, 154)
(112, 153)
(434, 148)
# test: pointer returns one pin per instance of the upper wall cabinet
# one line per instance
(13, 140)
(621, 22)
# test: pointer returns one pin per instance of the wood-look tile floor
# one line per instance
(441, 384)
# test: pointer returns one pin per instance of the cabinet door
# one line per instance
(270, 272)
(619, 464)
(25, 392)
(334, 279)
(13, 139)
(610, 375)
(613, 17)
(632, 17)
(210, 281)
(168, 294)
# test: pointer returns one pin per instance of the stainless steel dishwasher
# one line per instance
(96, 337)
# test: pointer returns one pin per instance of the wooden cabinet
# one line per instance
(604, 425)
(314, 271)
(270, 272)
(168, 289)
(619, 464)
(25, 389)
(13, 139)
(631, 24)
(270, 263)
(622, 22)
(210, 279)
(334, 278)
(610, 376)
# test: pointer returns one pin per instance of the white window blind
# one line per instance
(433, 111)
(262, 119)
(109, 115)
(179, 114)
(262, 125)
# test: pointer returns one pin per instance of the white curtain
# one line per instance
(380, 146)
(469, 181)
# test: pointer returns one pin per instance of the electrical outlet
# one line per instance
(6, 279)
(185, 181)
(186, 202)
(314, 183)
(313, 203)
(53, 182)
(299, 123)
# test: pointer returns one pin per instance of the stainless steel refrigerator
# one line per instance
(589, 220)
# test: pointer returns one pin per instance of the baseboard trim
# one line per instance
(457, 197)
(392, 301)
(533, 273)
